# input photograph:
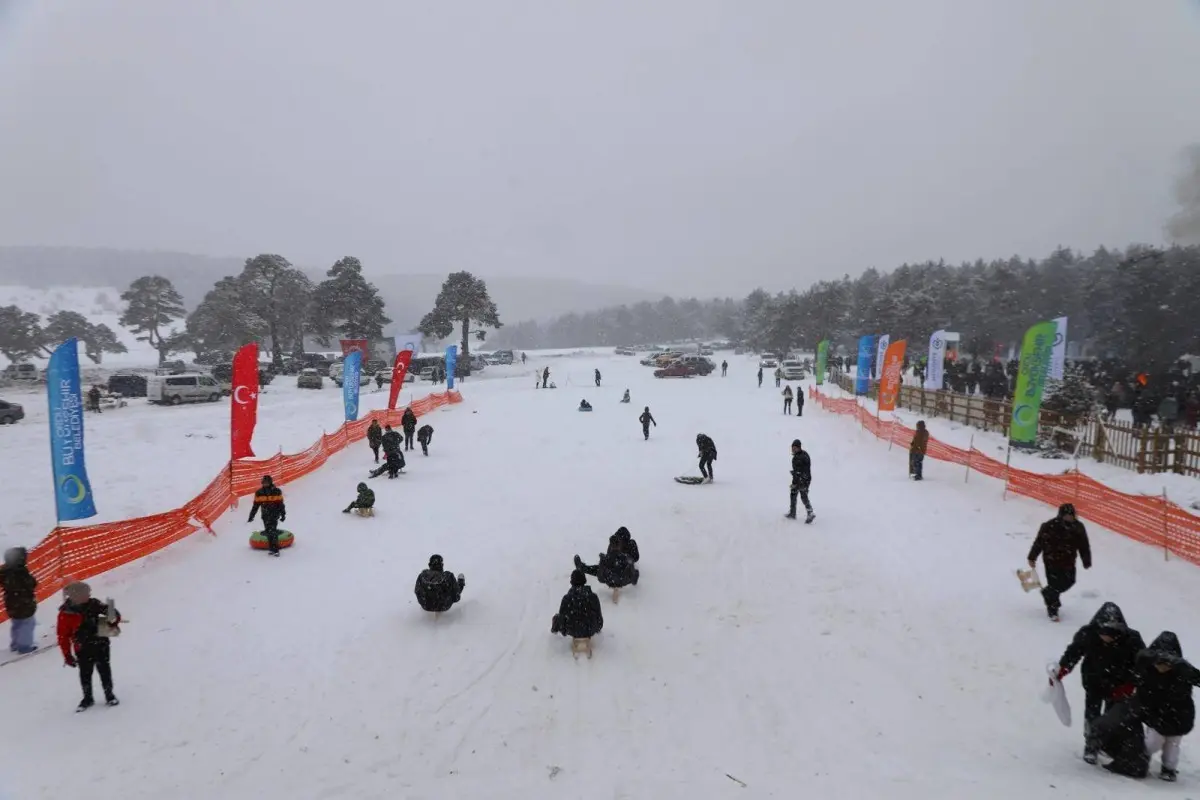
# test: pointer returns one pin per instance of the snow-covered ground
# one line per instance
(886, 651)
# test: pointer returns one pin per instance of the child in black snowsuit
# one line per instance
(270, 499)
(1163, 702)
(616, 568)
(579, 615)
(437, 590)
(365, 499)
(375, 438)
(1108, 649)
(424, 437)
(408, 421)
(647, 419)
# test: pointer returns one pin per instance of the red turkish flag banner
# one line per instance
(399, 370)
(244, 408)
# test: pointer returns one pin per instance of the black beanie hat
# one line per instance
(578, 578)
(435, 561)
(796, 443)
(623, 534)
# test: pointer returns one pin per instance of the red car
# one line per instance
(676, 369)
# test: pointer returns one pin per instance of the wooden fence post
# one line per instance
(1007, 459)
(970, 449)
(1166, 527)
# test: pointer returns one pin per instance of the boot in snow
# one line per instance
(808, 520)
(112, 700)
(790, 515)
(85, 704)
(1169, 775)
(1090, 755)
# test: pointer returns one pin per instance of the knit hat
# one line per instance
(78, 591)
(1066, 508)
(796, 443)
(435, 561)
(578, 578)
(362, 486)
(623, 534)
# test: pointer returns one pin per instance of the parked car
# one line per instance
(792, 370)
(21, 372)
(11, 412)
(705, 350)
(699, 364)
(127, 385)
(336, 371)
(176, 389)
(310, 378)
(676, 369)
(505, 356)
(768, 361)
(625, 351)
(386, 374)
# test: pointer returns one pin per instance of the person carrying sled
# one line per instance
(20, 599)
(625, 397)
(787, 399)
(424, 437)
(1163, 701)
(375, 438)
(82, 641)
(270, 499)
(916, 451)
(437, 590)
(597, 378)
(408, 421)
(1108, 649)
(647, 419)
(365, 499)
(1059, 542)
(708, 454)
(616, 568)
(579, 615)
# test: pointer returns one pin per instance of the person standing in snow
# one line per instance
(390, 440)
(724, 368)
(81, 642)
(787, 400)
(94, 398)
(1108, 649)
(20, 599)
(365, 499)
(379, 380)
(778, 377)
(1059, 542)
(617, 567)
(916, 451)
(545, 377)
(270, 499)
(424, 437)
(708, 454)
(436, 589)
(408, 421)
(647, 419)
(1163, 701)
(801, 479)
(375, 438)
(760, 377)
(579, 615)
(800, 402)
(597, 378)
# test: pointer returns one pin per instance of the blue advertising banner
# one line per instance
(451, 363)
(351, 378)
(72, 490)
(866, 351)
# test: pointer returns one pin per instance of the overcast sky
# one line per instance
(691, 146)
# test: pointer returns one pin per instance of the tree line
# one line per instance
(1138, 304)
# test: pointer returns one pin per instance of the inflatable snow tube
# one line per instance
(585, 409)
(259, 542)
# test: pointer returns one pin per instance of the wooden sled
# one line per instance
(617, 595)
(365, 512)
(581, 646)
(1029, 579)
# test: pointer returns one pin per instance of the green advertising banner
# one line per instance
(1037, 350)
(822, 355)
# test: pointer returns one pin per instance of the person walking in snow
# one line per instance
(379, 380)
(778, 377)
(94, 398)
(799, 402)
(579, 615)
(270, 499)
(801, 479)
(787, 400)
(708, 454)
(375, 438)
(1163, 702)
(724, 368)
(1108, 650)
(760, 377)
(82, 643)
(364, 500)
(436, 589)
(545, 377)
(424, 437)
(597, 378)
(408, 421)
(617, 567)
(20, 599)
(916, 451)
(1059, 542)
(647, 419)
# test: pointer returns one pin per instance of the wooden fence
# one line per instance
(1144, 450)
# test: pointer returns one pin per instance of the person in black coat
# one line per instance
(1163, 702)
(647, 419)
(579, 615)
(437, 590)
(375, 438)
(408, 421)
(270, 499)
(1108, 649)
(616, 568)
(597, 378)
(424, 437)
(1059, 542)
(390, 440)
(20, 599)
(801, 479)
(708, 454)
(800, 402)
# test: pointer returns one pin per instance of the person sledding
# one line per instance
(424, 437)
(579, 615)
(364, 503)
(393, 458)
(584, 405)
(1163, 702)
(1108, 650)
(616, 568)
(437, 590)
(1059, 542)
(269, 498)
(708, 454)
(83, 622)
(625, 397)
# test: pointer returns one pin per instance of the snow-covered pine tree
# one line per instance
(1073, 399)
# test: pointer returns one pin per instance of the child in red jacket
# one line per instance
(84, 642)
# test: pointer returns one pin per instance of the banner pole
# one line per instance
(1166, 527)
(1007, 459)
(970, 450)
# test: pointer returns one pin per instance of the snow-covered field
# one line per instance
(886, 651)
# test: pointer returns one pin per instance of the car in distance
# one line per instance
(11, 413)
(310, 378)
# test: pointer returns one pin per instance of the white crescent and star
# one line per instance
(237, 397)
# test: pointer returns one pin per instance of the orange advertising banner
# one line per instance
(889, 375)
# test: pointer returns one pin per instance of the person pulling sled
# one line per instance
(364, 504)
(270, 499)
(437, 590)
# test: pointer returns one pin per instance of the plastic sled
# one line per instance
(1056, 696)
(581, 646)
(690, 480)
(364, 512)
(585, 409)
(259, 542)
(1029, 579)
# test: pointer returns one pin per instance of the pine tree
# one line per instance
(347, 304)
(223, 322)
(463, 298)
(281, 296)
(1072, 397)
(97, 339)
(153, 304)
(21, 334)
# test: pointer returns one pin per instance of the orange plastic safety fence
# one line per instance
(78, 553)
(1150, 519)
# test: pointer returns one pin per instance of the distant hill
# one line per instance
(408, 297)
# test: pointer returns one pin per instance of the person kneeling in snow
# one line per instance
(1108, 649)
(616, 567)
(1163, 701)
(579, 615)
(424, 437)
(437, 590)
(365, 499)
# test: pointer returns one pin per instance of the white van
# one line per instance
(187, 388)
(21, 372)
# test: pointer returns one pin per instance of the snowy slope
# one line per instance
(886, 651)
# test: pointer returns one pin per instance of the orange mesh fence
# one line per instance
(78, 553)
(1150, 519)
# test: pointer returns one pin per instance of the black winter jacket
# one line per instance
(1105, 666)
(1164, 700)
(425, 434)
(409, 420)
(707, 447)
(647, 419)
(1058, 542)
(392, 441)
(20, 589)
(437, 590)
(579, 614)
(270, 500)
(374, 435)
(801, 469)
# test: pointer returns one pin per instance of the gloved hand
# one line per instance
(1062, 673)
(1123, 692)
(249, 520)
(1032, 563)
(346, 510)
(283, 517)
(70, 661)
(578, 562)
